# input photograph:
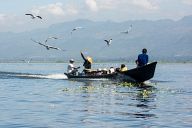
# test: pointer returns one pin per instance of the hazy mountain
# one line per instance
(165, 40)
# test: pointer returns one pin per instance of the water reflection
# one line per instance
(145, 98)
(142, 100)
(108, 98)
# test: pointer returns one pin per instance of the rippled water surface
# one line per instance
(39, 95)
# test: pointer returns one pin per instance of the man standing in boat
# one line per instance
(142, 58)
(87, 63)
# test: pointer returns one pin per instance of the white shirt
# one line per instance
(70, 68)
(111, 70)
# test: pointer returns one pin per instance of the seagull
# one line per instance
(108, 41)
(76, 28)
(27, 61)
(33, 17)
(126, 32)
(48, 47)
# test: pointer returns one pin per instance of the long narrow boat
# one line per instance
(139, 74)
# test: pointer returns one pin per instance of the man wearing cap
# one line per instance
(71, 68)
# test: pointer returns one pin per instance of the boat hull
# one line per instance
(139, 74)
(91, 77)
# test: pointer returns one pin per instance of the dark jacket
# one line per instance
(86, 64)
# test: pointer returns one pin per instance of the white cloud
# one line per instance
(54, 9)
(92, 5)
(188, 2)
(71, 9)
(95, 5)
(146, 4)
(6, 18)
(109, 4)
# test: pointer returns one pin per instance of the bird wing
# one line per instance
(53, 47)
(50, 37)
(39, 17)
(130, 27)
(55, 37)
(39, 43)
(43, 44)
(56, 48)
(106, 41)
(46, 41)
(29, 14)
(126, 32)
(109, 43)
(35, 41)
(79, 27)
(76, 28)
(32, 16)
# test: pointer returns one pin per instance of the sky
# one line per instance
(13, 18)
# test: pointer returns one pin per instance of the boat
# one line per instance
(139, 74)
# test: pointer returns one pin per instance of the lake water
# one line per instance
(39, 95)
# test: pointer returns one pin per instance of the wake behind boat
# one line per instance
(138, 75)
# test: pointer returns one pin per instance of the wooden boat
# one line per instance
(139, 74)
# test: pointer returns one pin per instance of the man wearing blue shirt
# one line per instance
(142, 58)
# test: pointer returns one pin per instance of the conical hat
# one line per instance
(90, 59)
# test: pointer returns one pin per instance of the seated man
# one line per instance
(142, 58)
(71, 68)
(123, 68)
(111, 70)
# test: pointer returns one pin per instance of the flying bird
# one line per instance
(48, 47)
(27, 60)
(108, 42)
(76, 28)
(33, 16)
(127, 31)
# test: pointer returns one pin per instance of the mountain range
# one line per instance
(166, 40)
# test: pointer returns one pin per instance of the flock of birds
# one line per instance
(48, 47)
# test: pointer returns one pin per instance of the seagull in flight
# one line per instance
(108, 42)
(76, 28)
(48, 47)
(129, 29)
(27, 61)
(33, 16)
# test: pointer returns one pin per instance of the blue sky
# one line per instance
(12, 12)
